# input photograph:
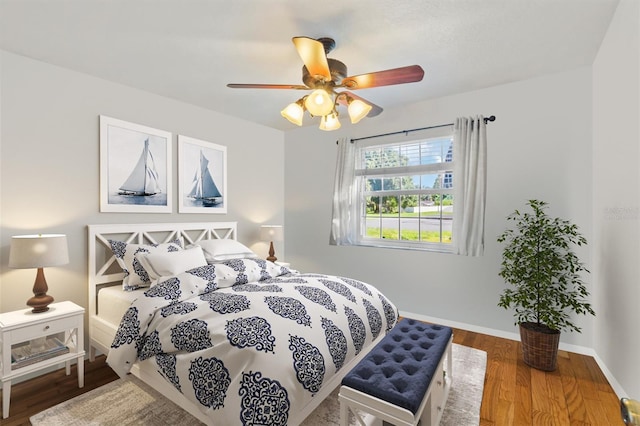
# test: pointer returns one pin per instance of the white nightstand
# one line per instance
(23, 326)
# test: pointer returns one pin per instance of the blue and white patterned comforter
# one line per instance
(255, 352)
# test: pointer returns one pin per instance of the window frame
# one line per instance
(361, 194)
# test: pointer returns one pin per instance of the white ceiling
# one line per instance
(190, 49)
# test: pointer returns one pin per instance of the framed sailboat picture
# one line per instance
(202, 182)
(135, 168)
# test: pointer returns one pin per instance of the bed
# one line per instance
(239, 340)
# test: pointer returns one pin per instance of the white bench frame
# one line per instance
(430, 411)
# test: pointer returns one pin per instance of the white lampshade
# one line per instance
(294, 113)
(38, 251)
(272, 233)
(330, 122)
(358, 110)
(319, 103)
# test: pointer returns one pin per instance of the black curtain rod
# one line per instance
(486, 120)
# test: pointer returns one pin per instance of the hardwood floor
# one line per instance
(36, 395)
(577, 393)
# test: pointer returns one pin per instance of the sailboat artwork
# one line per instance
(135, 168)
(203, 176)
(143, 180)
(203, 188)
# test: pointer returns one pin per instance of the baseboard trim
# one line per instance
(617, 388)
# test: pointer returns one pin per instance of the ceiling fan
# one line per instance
(324, 75)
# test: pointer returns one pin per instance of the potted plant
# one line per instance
(546, 278)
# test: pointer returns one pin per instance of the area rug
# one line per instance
(131, 402)
(465, 396)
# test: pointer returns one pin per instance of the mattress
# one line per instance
(113, 302)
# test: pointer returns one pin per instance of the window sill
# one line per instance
(435, 248)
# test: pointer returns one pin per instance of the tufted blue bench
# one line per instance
(402, 380)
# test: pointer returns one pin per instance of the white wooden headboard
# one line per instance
(103, 267)
(104, 270)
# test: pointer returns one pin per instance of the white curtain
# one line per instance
(342, 225)
(470, 185)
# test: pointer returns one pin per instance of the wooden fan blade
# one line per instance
(375, 109)
(268, 86)
(402, 75)
(312, 54)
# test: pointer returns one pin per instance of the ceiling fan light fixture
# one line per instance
(358, 110)
(294, 112)
(319, 103)
(322, 75)
(330, 122)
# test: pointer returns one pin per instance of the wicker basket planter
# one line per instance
(539, 346)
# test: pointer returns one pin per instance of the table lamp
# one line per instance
(272, 233)
(38, 251)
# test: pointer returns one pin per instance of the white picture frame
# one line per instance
(135, 168)
(202, 176)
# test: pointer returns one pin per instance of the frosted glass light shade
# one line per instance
(294, 113)
(319, 103)
(330, 122)
(358, 110)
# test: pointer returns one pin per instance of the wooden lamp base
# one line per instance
(41, 300)
(272, 253)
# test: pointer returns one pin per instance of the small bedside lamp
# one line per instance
(272, 233)
(38, 251)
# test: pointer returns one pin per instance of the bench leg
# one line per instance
(344, 414)
(450, 360)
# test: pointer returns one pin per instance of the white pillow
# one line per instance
(159, 265)
(219, 250)
(135, 276)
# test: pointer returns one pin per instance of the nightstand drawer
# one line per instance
(44, 329)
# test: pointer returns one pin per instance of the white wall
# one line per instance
(49, 159)
(616, 196)
(539, 147)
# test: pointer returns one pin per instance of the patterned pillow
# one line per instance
(135, 275)
(248, 270)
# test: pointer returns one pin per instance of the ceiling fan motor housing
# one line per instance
(328, 43)
(337, 69)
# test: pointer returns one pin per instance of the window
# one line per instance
(404, 193)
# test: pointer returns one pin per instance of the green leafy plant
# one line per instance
(539, 262)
